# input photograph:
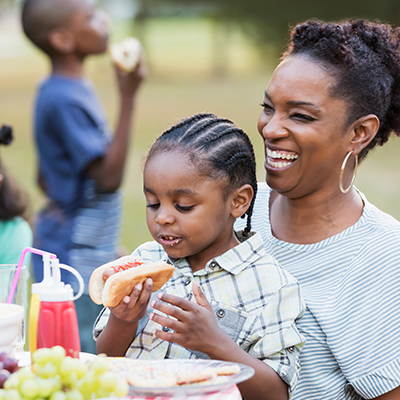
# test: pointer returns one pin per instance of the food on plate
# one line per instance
(111, 282)
(142, 374)
(126, 54)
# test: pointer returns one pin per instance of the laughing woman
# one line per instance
(333, 98)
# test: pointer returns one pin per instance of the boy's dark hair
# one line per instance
(217, 148)
(39, 17)
(364, 59)
(13, 202)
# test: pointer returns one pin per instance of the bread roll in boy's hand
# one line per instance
(111, 282)
(126, 54)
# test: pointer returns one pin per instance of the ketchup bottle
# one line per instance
(57, 322)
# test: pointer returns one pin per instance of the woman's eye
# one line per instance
(184, 208)
(303, 117)
(267, 108)
(153, 205)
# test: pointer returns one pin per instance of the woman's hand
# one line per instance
(133, 307)
(195, 326)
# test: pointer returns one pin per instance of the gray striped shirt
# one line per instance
(351, 286)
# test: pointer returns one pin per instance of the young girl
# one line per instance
(15, 231)
(228, 299)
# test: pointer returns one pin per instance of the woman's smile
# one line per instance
(280, 158)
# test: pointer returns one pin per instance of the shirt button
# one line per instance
(213, 265)
(187, 282)
(290, 349)
(221, 313)
(165, 329)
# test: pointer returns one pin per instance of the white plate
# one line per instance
(245, 373)
(24, 358)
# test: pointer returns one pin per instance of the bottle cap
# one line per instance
(47, 279)
(57, 290)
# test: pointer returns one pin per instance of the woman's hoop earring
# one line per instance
(342, 172)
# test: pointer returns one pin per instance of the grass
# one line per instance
(180, 84)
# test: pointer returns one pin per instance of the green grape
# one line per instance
(81, 370)
(2, 394)
(49, 370)
(107, 381)
(121, 387)
(59, 395)
(12, 382)
(29, 389)
(41, 356)
(99, 365)
(58, 352)
(12, 394)
(74, 395)
(24, 374)
(46, 387)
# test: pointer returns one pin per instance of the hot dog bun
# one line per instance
(126, 54)
(120, 284)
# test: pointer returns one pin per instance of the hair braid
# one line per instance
(218, 149)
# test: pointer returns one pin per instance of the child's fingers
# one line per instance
(172, 311)
(199, 296)
(166, 322)
(176, 301)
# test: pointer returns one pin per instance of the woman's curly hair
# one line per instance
(364, 59)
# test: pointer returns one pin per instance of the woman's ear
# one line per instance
(241, 200)
(364, 130)
(61, 40)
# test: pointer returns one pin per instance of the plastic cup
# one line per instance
(11, 321)
(7, 274)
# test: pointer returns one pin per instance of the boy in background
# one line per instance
(80, 163)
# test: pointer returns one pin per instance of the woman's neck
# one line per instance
(311, 219)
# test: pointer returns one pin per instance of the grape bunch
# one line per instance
(55, 376)
(8, 365)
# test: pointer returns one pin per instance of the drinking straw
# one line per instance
(19, 266)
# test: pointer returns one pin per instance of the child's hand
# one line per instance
(195, 325)
(129, 83)
(133, 307)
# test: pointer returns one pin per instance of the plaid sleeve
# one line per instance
(280, 341)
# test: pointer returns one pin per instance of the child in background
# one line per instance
(80, 163)
(228, 299)
(15, 231)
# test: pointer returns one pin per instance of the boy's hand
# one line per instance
(128, 83)
(133, 307)
(195, 326)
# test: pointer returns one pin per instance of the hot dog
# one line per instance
(111, 282)
(126, 54)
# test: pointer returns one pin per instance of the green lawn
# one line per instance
(179, 85)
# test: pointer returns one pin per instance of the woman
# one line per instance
(333, 98)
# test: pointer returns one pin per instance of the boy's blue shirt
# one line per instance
(79, 224)
(71, 131)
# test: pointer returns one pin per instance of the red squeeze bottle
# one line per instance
(57, 322)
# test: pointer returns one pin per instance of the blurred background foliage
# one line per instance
(209, 55)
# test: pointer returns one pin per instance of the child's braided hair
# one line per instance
(364, 59)
(217, 148)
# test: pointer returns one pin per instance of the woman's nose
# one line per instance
(271, 128)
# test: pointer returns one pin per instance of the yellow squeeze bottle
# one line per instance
(35, 302)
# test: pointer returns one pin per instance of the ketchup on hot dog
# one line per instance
(118, 268)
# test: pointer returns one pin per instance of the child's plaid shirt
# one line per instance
(255, 301)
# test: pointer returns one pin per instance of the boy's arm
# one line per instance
(108, 170)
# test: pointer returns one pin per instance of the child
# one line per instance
(15, 231)
(228, 300)
(80, 164)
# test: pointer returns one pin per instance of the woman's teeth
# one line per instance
(276, 155)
